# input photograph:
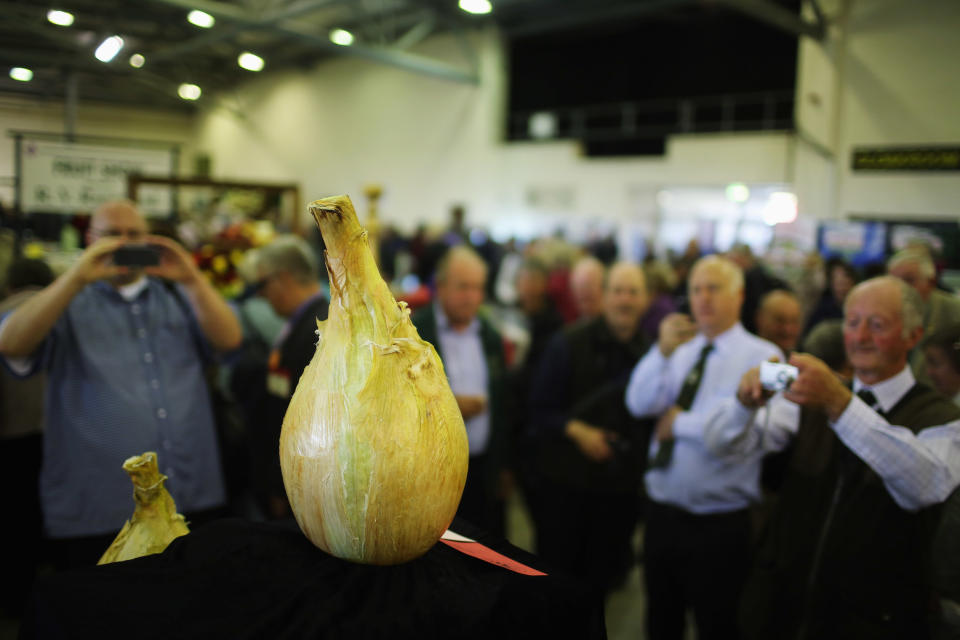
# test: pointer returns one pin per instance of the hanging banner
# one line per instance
(71, 178)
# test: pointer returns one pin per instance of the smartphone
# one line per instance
(136, 255)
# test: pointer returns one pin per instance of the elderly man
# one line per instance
(473, 358)
(846, 552)
(288, 279)
(124, 355)
(586, 508)
(780, 319)
(586, 287)
(915, 267)
(696, 545)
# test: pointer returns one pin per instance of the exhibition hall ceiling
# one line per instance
(163, 59)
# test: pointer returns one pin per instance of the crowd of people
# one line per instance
(607, 393)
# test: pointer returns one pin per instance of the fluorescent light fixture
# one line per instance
(200, 19)
(189, 91)
(61, 18)
(21, 73)
(108, 49)
(137, 60)
(737, 192)
(342, 37)
(250, 61)
(477, 7)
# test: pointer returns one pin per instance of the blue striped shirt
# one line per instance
(124, 377)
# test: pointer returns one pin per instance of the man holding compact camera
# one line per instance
(124, 354)
(697, 537)
(846, 552)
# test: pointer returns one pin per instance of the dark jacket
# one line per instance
(840, 558)
(294, 352)
(500, 446)
(583, 375)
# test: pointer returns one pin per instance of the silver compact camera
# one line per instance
(777, 376)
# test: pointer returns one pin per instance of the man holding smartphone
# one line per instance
(124, 353)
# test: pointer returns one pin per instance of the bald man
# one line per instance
(780, 319)
(474, 360)
(697, 537)
(586, 286)
(845, 554)
(124, 355)
(589, 449)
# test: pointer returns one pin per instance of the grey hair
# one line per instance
(911, 304)
(458, 252)
(291, 254)
(916, 256)
(730, 269)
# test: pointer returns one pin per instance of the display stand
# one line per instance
(236, 579)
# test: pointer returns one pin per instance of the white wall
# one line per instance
(33, 114)
(887, 77)
(432, 143)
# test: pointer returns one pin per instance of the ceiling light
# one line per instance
(137, 60)
(781, 207)
(200, 19)
(109, 48)
(342, 37)
(61, 18)
(478, 7)
(250, 61)
(189, 91)
(22, 74)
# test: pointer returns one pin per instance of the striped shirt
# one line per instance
(917, 469)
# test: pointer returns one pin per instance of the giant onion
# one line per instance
(373, 447)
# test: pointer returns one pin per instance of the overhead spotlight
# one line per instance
(477, 7)
(189, 91)
(250, 61)
(60, 18)
(109, 48)
(200, 19)
(342, 37)
(137, 60)
(21, 73)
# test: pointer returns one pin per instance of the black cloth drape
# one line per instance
(237, 579)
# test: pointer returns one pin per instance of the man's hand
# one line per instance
(817, 386)
(471, 406)
(675, 329)
(664, 429)
(175, 263)
(96, 263)
(750, 393)
(592, 441)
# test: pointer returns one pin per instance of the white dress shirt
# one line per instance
(697, 480)
(917, 469)
(466, 368)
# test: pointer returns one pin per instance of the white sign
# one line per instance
(60, 177)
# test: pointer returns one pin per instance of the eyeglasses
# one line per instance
(257, 285)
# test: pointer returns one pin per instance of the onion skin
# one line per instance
(155, 522)
(373, 448)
